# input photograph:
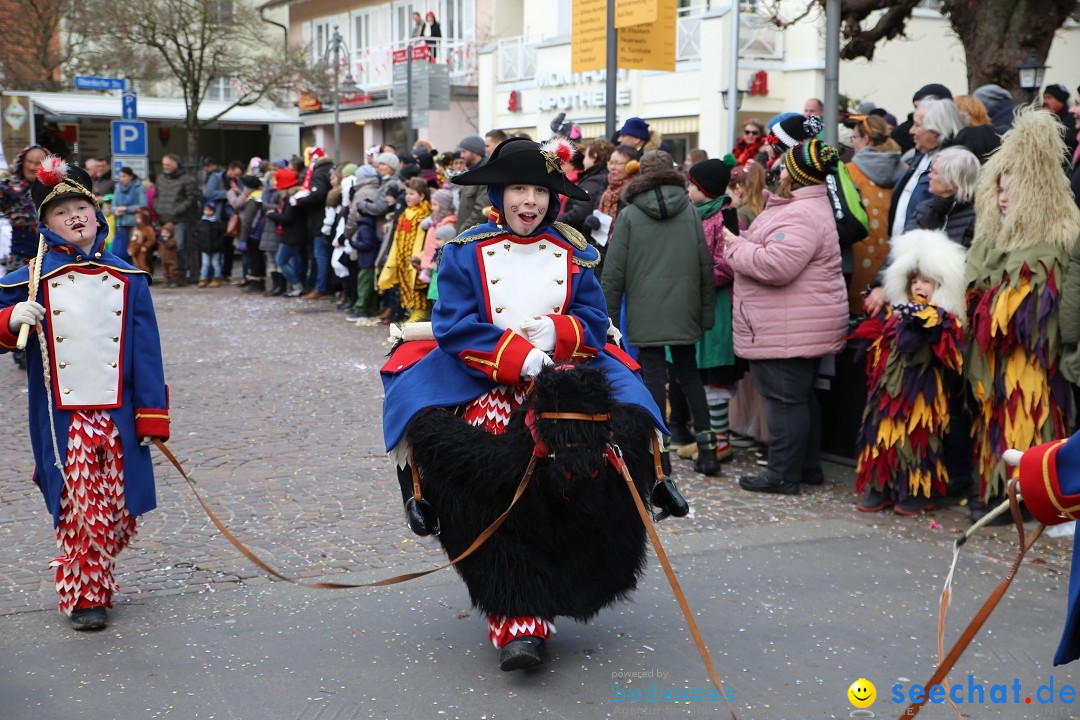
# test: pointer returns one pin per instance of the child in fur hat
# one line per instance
(1025, 227)
(914, 356)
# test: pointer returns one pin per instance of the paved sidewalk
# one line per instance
(276, 413)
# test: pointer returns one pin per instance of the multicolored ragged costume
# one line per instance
(915, 354)
(1015, 273)
(1021, 398)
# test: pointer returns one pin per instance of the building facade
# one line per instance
(526, 78)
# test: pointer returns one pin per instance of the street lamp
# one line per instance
(1031, 75)
(348, 85)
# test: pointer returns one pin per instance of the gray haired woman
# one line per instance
(954, 175)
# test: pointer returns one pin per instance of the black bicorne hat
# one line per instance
(56, 180)
(517, 160)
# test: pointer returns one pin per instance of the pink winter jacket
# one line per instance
(789, 295)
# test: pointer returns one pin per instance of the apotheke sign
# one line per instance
(563, 90)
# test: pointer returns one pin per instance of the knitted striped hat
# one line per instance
(811, 162)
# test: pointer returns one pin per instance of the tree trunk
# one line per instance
(998, 35)
(192, 125)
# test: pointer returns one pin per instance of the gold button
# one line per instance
(116, 338)
(71, 277)
(506, 246)
(79, 257)
(112, 364)
(543, 246)
(104, 278)
(56, 284)
(120, 311)
(67, 391)
(63, 365)
(559, 281)
(97, 254)
(57, 312)
(59, 338)
(494, 280)
(490, 252)
(557, 308)
(558, 254)
(116, 286)
(498, 309)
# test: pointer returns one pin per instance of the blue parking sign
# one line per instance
(129, 137)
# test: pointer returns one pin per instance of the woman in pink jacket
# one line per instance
(790, 311)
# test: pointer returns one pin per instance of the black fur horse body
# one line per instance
(574, 543)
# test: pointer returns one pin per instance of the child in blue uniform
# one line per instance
(98, 342)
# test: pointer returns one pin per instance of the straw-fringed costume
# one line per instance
(459, 409)
(915, 354)
(107, 391)
(1016, 269)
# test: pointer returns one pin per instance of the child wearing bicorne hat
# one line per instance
(96, 385)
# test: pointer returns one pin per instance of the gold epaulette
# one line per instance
(464, 237)
(571, 233)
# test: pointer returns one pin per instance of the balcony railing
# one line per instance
(373, 67)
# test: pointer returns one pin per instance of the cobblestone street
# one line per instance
(275, 413)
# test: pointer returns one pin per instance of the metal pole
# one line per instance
(337, 98)
(612, 72)
(733, 76)
(832, 69)
(408, 101)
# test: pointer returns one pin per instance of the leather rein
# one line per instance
(614, 456)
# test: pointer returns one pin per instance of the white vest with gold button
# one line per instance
(524, 278)
(85, 310)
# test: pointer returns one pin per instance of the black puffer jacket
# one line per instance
(594, 182)
(957, 220)
(313, 205)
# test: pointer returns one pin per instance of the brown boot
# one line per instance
(313, 295)
(215, 283)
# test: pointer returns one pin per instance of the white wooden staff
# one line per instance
(31, 292)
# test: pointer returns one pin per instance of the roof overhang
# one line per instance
(154, 108)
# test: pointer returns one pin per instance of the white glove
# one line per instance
(27, 312)
(540, 332)
(535, 361)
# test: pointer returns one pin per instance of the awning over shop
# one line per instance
(381, 112)
(153, 108)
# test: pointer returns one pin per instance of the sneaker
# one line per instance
(724, 451)
(354, 318)
(738, 440)
(913, 505)
(875, 501)
(521, 653)
(91, 618)
(761, 456)
(762, 483)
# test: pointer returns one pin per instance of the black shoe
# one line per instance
(815, 477)
(913, 505)
(875, 501)
(979, 510)
(91, 618)
(666, 496)
(761, 483)
(521, 653)
(706, 462)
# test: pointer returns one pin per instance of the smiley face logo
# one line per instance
(862, 693)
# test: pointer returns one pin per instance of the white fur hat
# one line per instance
(933, 254)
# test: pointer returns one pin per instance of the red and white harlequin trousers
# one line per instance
(491, 411)
(94, 522)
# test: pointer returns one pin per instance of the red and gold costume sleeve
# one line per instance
(503, 363)
(7, 339)
(153, 422)
(570, 339)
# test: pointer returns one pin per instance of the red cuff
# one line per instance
(570, 339)
(7, 339)
(1041, 487)
(622, 356)
(152, 423)
(406, 355)
(503, 364)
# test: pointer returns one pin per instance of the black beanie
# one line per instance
(936, 89)
(811, 162)
(1059, 92)
(796, 129)
(711, 176)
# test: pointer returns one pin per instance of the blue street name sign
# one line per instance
(129, 137)
(88, 82)
(128, 109)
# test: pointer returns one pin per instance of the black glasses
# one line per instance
(751, 132)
